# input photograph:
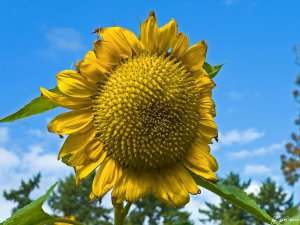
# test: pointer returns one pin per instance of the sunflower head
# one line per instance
(141, 111)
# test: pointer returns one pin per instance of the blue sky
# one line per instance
(255, 107)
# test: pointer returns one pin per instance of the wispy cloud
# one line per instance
(62, 39)
(253, 188)
(256, 169)
(15, 167)
(235, 96)
(3, 134)
(256, 152)
(238, 137)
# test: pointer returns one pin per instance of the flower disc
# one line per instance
(146, 114)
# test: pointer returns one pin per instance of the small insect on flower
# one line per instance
(142, 111)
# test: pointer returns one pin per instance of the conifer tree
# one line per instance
(270, 197)
(22, 195)
(71, 200)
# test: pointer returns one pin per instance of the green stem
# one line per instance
(121, 213)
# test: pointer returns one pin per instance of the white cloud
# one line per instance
(15, 167)
(235, 96)
(256, 152)
(198, 201)
(8, 159)
(64, 38)
(36, 132)
(253, 188)
(237, 137)
(61, 40)
(256, 169)
(3, 134)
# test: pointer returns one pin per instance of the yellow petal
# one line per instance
(92, 69)
(70, 122)
(106, 177)
(149, 33)
(194, 57)
(107, 53)
(66, 101)
(73, 84)
(133, 41)
(83, 156)
(204, 82)
(170, 188)
(206, 104)
(187, 180)
(179, 45)
(167, 35)
(116, 37)
(85, 170)
(208, 126)
(201, 162)
(132, 186)
(76, 142)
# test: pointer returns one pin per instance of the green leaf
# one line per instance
(212, 70)
(290, 217)
(32, 213)
(36, 106)
(236, 196)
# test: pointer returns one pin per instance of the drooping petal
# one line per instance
(106, 53)
(208, 126)
(90, 153)
(106, 177)
(76, 142)
(116, 37)
(149, 33)
(167, 35)
(187, 180)
(170, 189)
(133, 41)
(204, 82)
(132, 186)
(194, 57)
(92, 69)
(180, 45)
(70, 122)
(73, 84)
(83, 171)
(206, 103)
(201, 162)
(66, 101)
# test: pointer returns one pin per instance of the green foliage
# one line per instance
(235, 196)
(212, 70)
(270, 198)
(32, 213)
(290, 161)
(36, 106)
(154, 211)
(21, 196)
(273, 199)
(70, 200)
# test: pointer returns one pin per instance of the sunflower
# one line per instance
(142, 112)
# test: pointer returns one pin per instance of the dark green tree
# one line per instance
(155, 212)
(226, 213)
(21, 196)
(72, 200)
(270, 197)
(290, 161)
(273, 199)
